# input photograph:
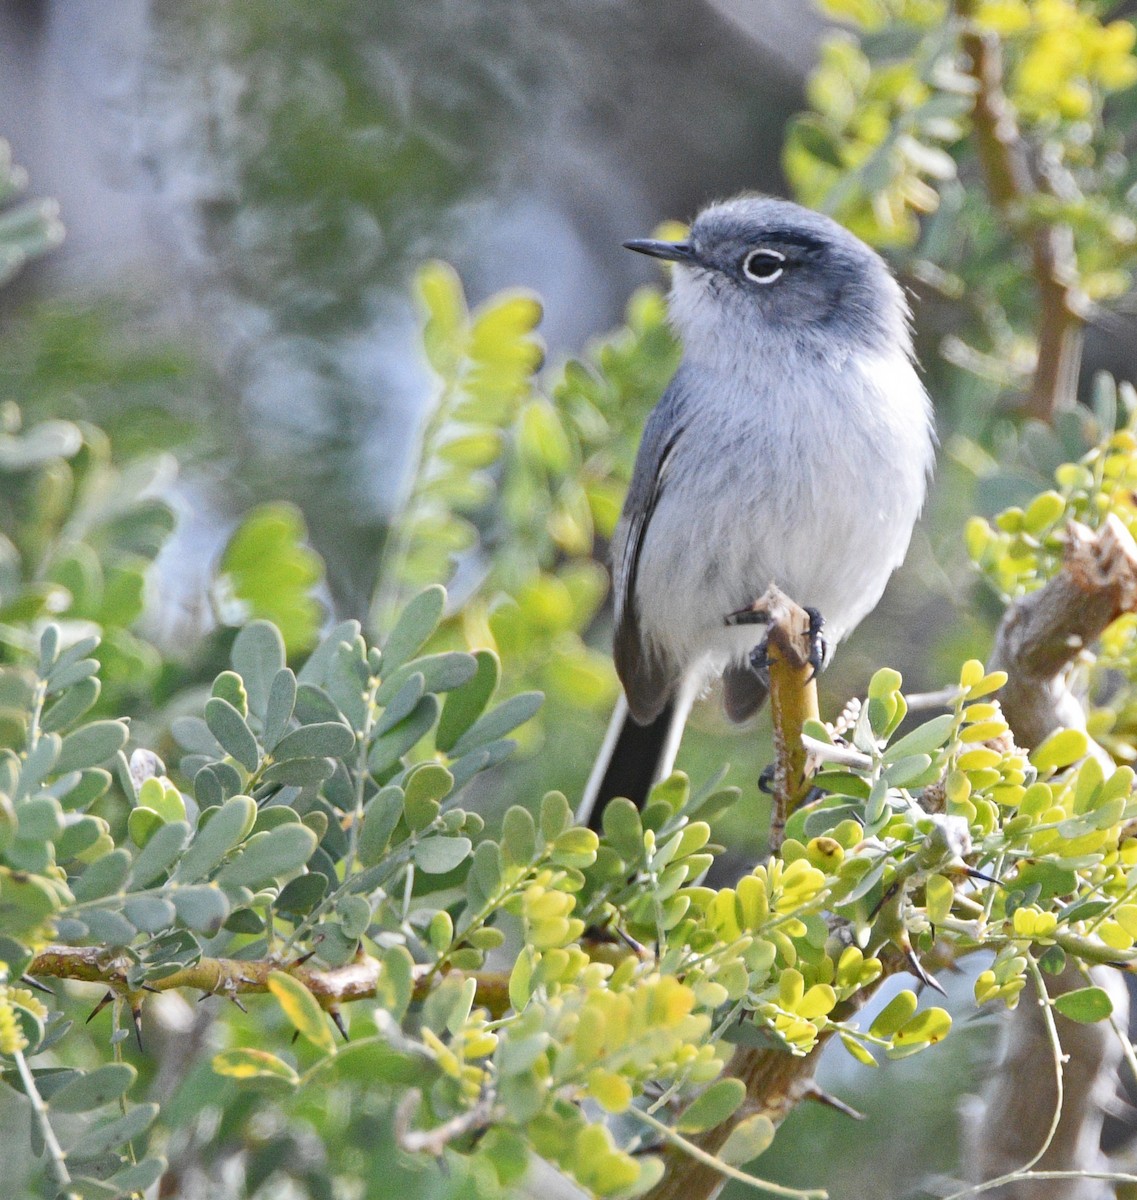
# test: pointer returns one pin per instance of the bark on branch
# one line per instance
(1038, 640)
(1043, 633)
(1011, 185)
(793, 696)
(234, 977)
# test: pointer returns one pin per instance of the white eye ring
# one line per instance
(768, 263)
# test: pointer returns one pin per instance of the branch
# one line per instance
(793, 696)
(776, 1082)
(332, 987)
(1041, 634)
(1038, 639)
(1011, 186)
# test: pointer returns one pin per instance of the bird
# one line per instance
(793, 445)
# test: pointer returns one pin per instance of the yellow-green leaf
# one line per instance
(303, 1010)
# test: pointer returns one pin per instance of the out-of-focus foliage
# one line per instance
(27, 228)
(518, 478)
(890, 140)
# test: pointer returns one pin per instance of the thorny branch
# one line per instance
(233, 977)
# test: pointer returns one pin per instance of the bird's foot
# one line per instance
(818, 647)
(760, 658)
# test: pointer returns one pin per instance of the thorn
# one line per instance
(35, 983)
(766, 780)
(295, 1035)
(337, 1018)
(147, 988)
(302, 959)
(889, 892)
(237, 1001)
(136, 1017)
(813, 1091)
(99, 1007)
(923, 976)
(972, 873)
(639, 949)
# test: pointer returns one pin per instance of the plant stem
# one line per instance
(55, 1151)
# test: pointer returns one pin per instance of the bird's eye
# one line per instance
(763, 266)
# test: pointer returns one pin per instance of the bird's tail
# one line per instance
(633, 757)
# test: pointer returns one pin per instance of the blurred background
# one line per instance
(247, 192)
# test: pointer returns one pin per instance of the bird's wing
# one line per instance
(648, 678)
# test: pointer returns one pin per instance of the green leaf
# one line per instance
(415, 624)
(230, 686)
(303, 1010)
(440, 672)
(225, 829)
(466, 704)
(39, 764)
(265, 856)
(396, 982)
(159, 853)
(924, 739)
(712, 1107)
(268, 565)
(279, 707)
(245, 1063)
(91, 746)
(387, 750)
(429, 781)
(230, 729)
(379, 820)
(1060, 750)
(74, 703)
(402, 703)
(104, 877)
(498, 722)
(894, 1014)
(300, 772)
(101, 1138)
(138, 1177)
(325, 739)
(556, 815)
(519, 834)
(94, 1089)
(929, 1026)
(258, 655)
(437, 855)
(1086, 1005)
(202, 908)
(150, 914)
(748, 1139)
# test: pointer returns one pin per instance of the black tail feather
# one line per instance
(635, 762)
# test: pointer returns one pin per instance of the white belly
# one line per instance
(814, 487)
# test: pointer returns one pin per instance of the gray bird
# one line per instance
(793, 446)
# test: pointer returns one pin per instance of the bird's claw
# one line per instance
(818, 647)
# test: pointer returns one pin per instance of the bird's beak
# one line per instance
(669, 251)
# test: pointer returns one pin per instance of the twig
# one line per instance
(1011, 185)
(54, 1150)
(434, 1141)
(231, 977)
(722, 1169)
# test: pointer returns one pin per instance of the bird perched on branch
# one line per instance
(793, 446)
